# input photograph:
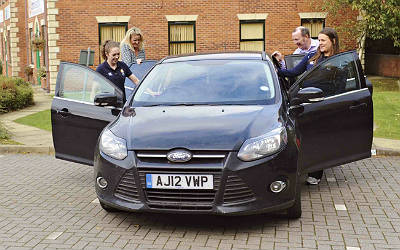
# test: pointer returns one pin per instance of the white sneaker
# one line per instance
(312, 181)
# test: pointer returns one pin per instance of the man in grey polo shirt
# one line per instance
(305, 44)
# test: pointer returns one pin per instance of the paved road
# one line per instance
(48, 203)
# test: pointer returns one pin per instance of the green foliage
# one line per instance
(379, 18)
(42, 72)
(3, 133)
(15, 94)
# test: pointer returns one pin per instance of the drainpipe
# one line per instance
(27, 33)
(46, 48)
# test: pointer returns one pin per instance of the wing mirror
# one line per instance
(106, 99)
(308, 95)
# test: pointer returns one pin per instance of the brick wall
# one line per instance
(72, 26)
(217, 25)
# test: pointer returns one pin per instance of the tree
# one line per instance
(376, 19)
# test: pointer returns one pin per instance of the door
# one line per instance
(337, 129)
(291, 61)
(76, 121)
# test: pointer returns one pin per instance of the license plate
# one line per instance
(179, 181)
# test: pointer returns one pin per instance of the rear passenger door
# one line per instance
(337, 129)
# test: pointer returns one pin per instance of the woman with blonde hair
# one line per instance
(132, 50)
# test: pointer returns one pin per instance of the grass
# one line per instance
(386, 98)
(5, 137)
(40, 120)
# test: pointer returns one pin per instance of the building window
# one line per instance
(111, 31)
(181, 37)
(30, 46)
(252, 35)
(315, 25)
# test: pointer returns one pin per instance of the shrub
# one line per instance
(15, 94)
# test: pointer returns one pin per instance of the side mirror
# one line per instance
(106, 99)
(308, 95)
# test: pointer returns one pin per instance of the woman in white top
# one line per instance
(132, 50)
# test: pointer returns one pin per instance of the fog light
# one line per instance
(101, 182)
(277, 186)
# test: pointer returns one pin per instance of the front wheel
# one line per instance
(294, 212)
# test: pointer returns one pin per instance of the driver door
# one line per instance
(76, 121)
(339, 128)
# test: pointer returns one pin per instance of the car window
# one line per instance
(334, 76)
(208, 82)
(82, 84)
(139, 70)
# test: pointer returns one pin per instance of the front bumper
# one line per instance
(239, 187)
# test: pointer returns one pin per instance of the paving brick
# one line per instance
(44, 206)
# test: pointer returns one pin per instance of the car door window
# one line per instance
(335, 76)
(82, 84)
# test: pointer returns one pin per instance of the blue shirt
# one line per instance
(116, 76)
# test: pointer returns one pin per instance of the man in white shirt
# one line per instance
(305, 44)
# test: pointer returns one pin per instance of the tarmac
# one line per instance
(34, 140)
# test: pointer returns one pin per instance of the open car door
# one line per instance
(140, 71)
(291, 61)
(76, 121)
(339, 128)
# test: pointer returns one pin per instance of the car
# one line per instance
(213, 133)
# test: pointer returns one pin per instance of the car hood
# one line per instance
(195, 127)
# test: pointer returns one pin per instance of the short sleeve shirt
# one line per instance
(129, 57)
(116, 76)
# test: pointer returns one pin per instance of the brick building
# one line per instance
(38, 34)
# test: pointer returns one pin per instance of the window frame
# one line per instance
(252, 40)
(181, 42)
(299, 83)
(105, 25)
(311, 20)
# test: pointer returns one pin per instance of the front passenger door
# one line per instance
(76, 121)
(338, 129)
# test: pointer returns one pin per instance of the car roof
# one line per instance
(242, 55)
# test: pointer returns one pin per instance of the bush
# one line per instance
(15, 94)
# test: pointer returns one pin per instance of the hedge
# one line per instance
(15, 94)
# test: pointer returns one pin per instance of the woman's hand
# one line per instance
(134, 79)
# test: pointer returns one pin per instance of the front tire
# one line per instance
(295, 211)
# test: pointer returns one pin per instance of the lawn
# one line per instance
(386, 98)
(40, 120)
(5, 136)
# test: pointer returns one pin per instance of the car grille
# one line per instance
(236, 191)
(180, 199)
(127, 188)
(199, 158)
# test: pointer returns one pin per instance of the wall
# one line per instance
(382, 65)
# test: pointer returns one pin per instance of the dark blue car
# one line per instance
(212, 133)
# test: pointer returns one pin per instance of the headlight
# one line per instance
(113, 146)
(264, 145)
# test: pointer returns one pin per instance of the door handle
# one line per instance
(63, 112)
(358, 106)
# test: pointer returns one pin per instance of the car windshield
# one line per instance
(207, 82)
